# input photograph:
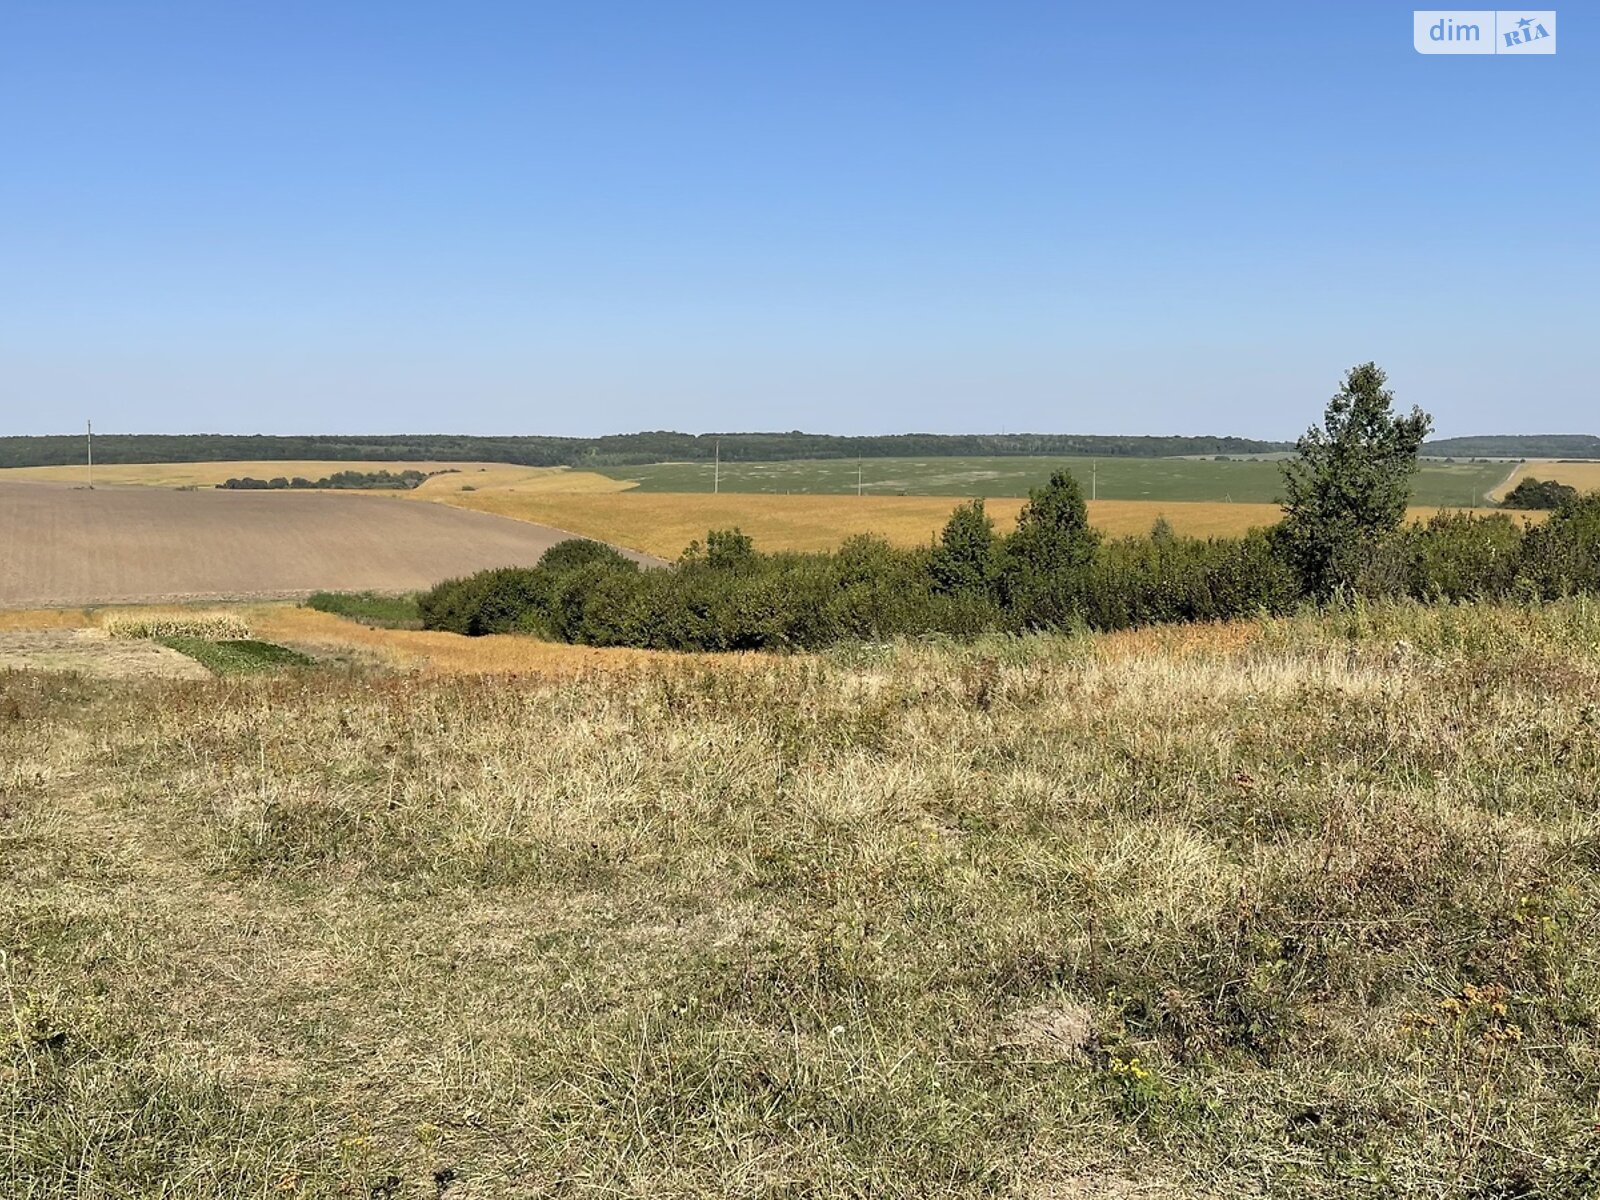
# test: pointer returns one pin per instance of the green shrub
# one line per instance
(1460, 556)
(966, 562)
(370, 608)
(1539, 493)
(1562, 556)
(444, 606)
(582, 552)
(724, 550)
(494, 601)
(728, 596)
(518, 598)
(1144, 581)
(598, 605)
(1048, 557)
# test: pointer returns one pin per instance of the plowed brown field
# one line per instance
(69, 546)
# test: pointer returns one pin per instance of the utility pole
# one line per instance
(89, 427)
(1094, 479)
(858, 475)
(716, 470)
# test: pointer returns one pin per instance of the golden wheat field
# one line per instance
(492, 476)
(1585, 476)
(663, 523)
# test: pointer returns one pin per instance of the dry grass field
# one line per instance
(322, 633)
(46, 618)
(65, 546)
(1302, 909)
(90, 651)
(664, 523)
(54, 639)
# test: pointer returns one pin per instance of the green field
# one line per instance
(1177, 479)
(236, 656)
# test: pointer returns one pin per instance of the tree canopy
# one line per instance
(1350, 481)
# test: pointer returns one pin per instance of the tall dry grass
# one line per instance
(216, 625)
(1308, 911)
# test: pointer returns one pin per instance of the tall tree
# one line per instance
(1047, 559)
(1347, 487)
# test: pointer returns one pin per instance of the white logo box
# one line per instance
(1484, 31)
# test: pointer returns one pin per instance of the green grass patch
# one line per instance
(370, 608)
(242, 656)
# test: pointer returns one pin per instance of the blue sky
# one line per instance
(857, 218)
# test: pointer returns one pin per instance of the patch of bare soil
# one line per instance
(92, 652)
(1056, 1033)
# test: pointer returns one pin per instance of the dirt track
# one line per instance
(68, 546)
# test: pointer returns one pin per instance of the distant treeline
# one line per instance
(633, 449)
(1532, 445)
(339, 480)
(624, 449)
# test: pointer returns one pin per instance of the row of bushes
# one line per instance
(339, 481)
(1053, 572)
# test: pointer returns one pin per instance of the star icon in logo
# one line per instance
(1525, 22)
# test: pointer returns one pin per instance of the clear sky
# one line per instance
(863, 217)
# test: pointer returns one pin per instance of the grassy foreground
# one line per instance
(1299, 909)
